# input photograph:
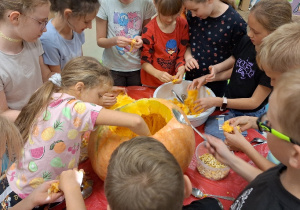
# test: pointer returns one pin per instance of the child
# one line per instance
(118, 22)
(249, 87)
(278, 53)
(11, 145)
(215, 28)
(143, 174)
(277, 188)
(165, 39)
(65, 32)
(55, 117)
(22, 69)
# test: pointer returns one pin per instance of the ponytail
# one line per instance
(37, 103)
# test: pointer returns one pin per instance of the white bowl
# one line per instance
(164, 91)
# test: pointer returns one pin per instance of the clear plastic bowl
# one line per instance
(207, 171)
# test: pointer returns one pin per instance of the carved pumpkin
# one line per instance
(178, 138)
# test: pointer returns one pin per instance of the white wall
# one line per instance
(90, 47)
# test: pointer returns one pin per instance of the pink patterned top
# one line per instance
(54, 143)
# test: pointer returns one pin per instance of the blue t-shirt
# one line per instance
(58, 50)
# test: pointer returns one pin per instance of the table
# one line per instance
(232, 185)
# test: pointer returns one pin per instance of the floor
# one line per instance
(90, 47)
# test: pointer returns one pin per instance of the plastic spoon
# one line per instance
(199, 194)
(180, 118)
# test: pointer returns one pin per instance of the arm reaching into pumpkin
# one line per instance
(116, 118)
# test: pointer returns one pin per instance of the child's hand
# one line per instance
(235, 141)
(204, 103)
(40, 195)
(164, 76)
(117, 90)
(197, 83)
(191, 64)
(210, 77)
(245, 122)
(139, 42)
(108, 99)
(122, 41)
(178, 77)
(219, 150)
(70, 179)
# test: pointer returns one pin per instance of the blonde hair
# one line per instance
(229, 2)
(143, 174)
(22, 6)
(288, 100)
(11, 140)
(280, 50)
(81, 69)
(168, 7)
(272, 13)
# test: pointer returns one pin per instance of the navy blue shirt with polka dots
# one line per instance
(212, 41)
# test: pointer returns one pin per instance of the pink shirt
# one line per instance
(54, 143)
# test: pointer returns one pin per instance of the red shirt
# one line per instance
(165, 51)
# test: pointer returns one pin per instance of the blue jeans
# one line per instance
(257, 113)
(212, 125)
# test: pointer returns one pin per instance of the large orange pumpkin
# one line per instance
(178, 138)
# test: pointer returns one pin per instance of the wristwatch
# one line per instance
(224, 104)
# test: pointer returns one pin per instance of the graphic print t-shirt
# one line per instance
(165, 51)
(124, 20)
(246, 75)
(266, 192)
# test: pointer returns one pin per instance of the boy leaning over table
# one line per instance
(143, 174)
(278, 187)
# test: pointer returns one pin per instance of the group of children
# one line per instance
(52, 111)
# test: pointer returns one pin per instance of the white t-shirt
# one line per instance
(124, 20)
(20, 74)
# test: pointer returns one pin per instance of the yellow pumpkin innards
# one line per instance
(122, 99)
(155, 119)
(54, 188)
(189, 107)
(228, 128)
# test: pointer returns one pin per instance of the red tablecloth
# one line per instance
(230, 186)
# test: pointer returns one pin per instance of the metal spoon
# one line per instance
(177, 96)
(183, 96)
(199, 194)
(258, 141)
(87, 190)
(181, 119)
